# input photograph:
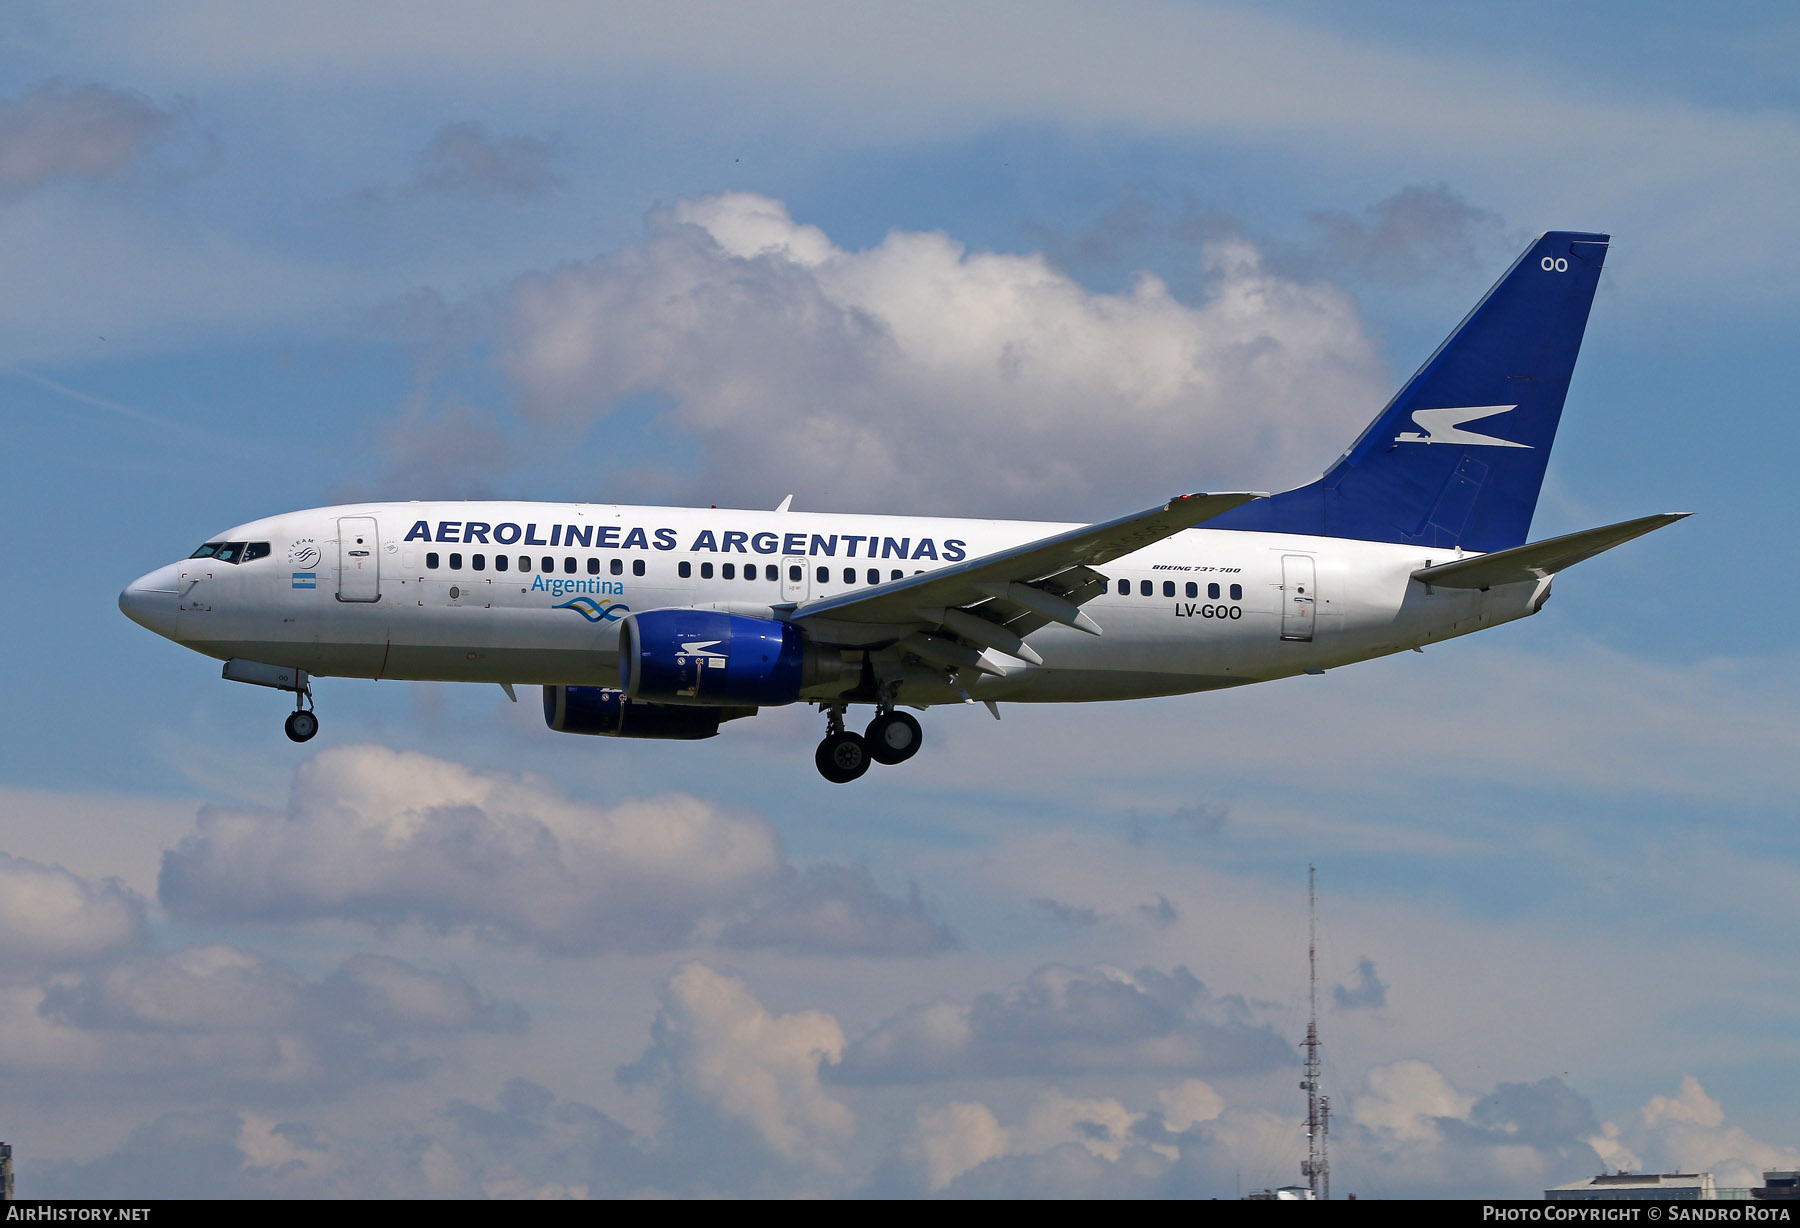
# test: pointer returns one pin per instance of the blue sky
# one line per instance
(263, 261)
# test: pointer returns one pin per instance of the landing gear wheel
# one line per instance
(842, 757)
(893, 737)
(301, 725)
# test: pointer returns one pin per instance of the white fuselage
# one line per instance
(419, 591)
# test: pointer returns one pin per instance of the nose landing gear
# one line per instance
(302, 725)
(302, 722)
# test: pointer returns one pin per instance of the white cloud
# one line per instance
(1189, 1103)
(947, 1140)
(219, 1020)
(386, 836)
(465, 159)
(785, 354)
(838, 910)
(58, 130)
(1369, 992)
(937, 69)
(50, 918)
(1404, 1100)
(1102, 1125)
(1066, 1019)
(722, 1052)
(1687, 1132)
(1413, 234)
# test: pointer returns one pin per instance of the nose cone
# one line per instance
(151, 601)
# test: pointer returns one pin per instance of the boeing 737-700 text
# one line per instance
(648, 622)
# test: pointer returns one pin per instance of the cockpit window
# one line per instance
(232, 552)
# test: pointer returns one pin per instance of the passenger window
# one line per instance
(706, 571)
(1237, 592)
(750, 571)
(456, 562)
(1145, 587)
(546, 564)
(1212, 592)
(593, 566)
(849, 575)
(637, 567)
(896, 575)
(618, 567)
(500, 562)
(431, 560)
(1124, 588)
(874, 576)
(1193, 590)
(1168, 588)
(524, 562)
(256, 550)
(478, 562)
(823, 575)
(569, 564)
(727, 571)
(684, 569)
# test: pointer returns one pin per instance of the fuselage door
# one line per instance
(1298, 600)
(794, 580)
(359, 559)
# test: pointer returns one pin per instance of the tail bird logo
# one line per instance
(1445, 426)
(595, 611)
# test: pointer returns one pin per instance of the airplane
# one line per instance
(656, 622)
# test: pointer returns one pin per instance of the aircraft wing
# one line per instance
(1539, 559)
(996, 600)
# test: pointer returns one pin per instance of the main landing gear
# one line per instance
(892, 737)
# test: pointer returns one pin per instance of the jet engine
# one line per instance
(611, 714)
(705, 657)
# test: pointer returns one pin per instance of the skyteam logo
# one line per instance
(595, 611)
(1443, 426)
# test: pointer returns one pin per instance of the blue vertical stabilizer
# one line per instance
(1457, 458)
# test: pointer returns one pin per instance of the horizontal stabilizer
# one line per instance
(1539, 559)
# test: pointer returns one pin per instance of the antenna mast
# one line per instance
(1317, 1170)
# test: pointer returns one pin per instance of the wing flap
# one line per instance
(1536, 560)
(1076, 586)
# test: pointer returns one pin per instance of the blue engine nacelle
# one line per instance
(609, 713)
(704, 657)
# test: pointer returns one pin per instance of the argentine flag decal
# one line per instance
(306, 579)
